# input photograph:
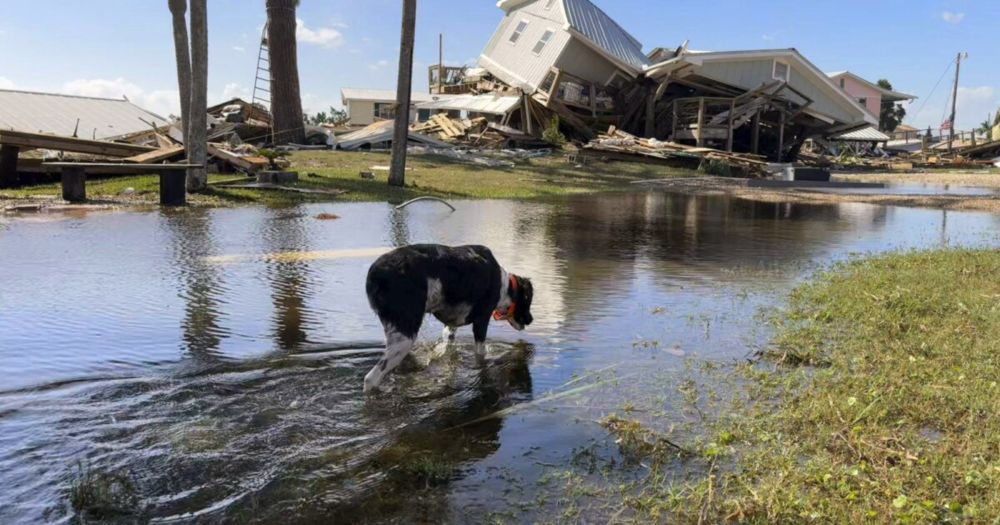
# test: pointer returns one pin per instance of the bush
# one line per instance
(552, 135)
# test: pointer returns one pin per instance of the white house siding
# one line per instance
(515, 63)
(362, 112)
(582, 61)
(751, 74)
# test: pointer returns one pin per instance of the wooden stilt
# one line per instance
(651, 114)
(701, 121)
(173, 191)
(781, 137)
(526, 111)
(673, 121)
(729, 138)
(8, 166)
(74, 184)
(755, 136)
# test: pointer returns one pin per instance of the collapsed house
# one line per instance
(568, 58)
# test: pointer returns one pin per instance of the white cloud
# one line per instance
(6, 83)
(327, 37)
(163, 101)
(312, 103)
(239, 49)
(768, 37)
(234, 90)
(380, 65)
(953, 18)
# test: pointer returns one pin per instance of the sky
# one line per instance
(113, 48)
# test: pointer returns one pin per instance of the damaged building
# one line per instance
(568, 58)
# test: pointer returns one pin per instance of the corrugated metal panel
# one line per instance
(53, 113)
(593, 23)
(379, 95)
(489, 104)
(868, 134)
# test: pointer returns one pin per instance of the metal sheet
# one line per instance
(99, 118)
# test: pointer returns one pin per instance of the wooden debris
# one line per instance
(629, 147)
(25, 140)
(159, 155)
(248, 163)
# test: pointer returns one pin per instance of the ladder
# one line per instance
(262, 78)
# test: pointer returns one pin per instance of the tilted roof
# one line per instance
(602, 31)
(91, 118)
(380, 95)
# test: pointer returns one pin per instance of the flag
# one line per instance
(946, 125)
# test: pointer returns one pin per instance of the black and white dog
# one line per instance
(460, 286)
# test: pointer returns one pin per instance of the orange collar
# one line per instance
(503, 316)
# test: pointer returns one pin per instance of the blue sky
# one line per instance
(116, 47)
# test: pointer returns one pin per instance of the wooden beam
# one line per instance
(250, 164)
(8, 166)
(571, 119)
(701, 121)
(673, 121)
(529, 127)
(159, 155)
(95, 147)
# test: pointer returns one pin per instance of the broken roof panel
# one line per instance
(380, 95)
(99, 118)
(602, 31)
(489, 104)
(868, 134)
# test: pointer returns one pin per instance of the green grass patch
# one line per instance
(897, 420)
(431, 175)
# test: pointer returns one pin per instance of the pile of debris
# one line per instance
(619, 145)
(448, 129)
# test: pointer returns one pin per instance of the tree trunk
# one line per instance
(182, 50)
(401, 133)
(286, 99)
(198, 142)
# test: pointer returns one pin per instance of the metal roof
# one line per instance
(99, 118)
(380, 95)
(602, 31)
(489, 104)
(868, 134)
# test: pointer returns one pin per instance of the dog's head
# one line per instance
(522, 296)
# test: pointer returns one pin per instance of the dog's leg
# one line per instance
(479, 329)
(397, 347)
(448, 334)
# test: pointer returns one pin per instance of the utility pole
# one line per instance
(440, 62)
(401, 134)
(954, 98)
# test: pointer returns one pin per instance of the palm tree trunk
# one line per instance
(286, 99)
(182, 50)
(197, 179)
(401, 133)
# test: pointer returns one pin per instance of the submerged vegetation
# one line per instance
(102, 495)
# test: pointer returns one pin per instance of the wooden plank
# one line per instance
(701, 121)
(732, 113)
(95, 147)
(159, 155)
(8, 166)
(74, 184)
(251, 164)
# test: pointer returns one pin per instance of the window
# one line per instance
(781, 71)
(385, 110)
(549, 4)
(842, 83)
(516, 35)
(544, 40)
(863, 102)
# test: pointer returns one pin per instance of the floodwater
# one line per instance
(215, 357)
(920, 189)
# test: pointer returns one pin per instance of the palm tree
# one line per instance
(397, 171)
(178, 11)
(198, 141)
(286, 100)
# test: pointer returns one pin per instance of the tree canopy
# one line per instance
(891, 114)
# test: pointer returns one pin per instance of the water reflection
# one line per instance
(254, 429)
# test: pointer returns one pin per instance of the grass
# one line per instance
(102, 496)
(877, 402)
(432, 175)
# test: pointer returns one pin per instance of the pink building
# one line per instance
(866, 93)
